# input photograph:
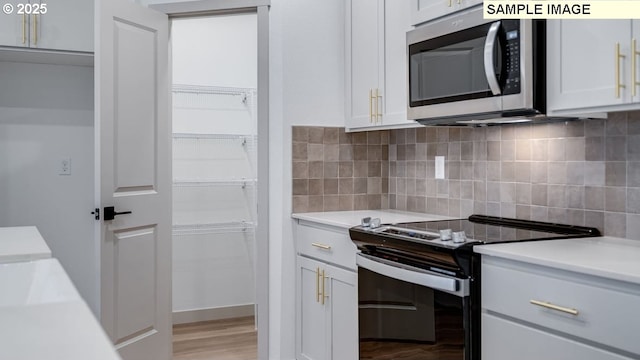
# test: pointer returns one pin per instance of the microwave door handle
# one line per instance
(489, 44)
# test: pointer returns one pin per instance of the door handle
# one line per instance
(110, 213)
(488, 58)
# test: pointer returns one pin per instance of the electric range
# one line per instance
(419, 283)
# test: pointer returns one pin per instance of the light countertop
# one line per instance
(608, 257)
(22, 243)
(44, 317)
(62, 330)
(347, 219)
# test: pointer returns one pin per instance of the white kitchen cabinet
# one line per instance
(426, 10)
(376, 64)
(584, 72)
(547, 313)
(326, 295)
(64, 25)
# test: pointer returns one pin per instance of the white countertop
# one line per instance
(64, 330)
(43, 316)
(347, 219)
(22, 243)
(607, 257)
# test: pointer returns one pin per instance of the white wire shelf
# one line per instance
(217, 90)
(205, 183)
(214, 136)
(215, 228)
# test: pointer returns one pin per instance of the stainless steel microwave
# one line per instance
(465, 70)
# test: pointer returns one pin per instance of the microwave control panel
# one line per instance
(512, 56)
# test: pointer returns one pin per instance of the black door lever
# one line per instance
(110, 213)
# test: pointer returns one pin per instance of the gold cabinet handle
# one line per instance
(24, 29)
(634, 54)
(324, 296)
(618, 57)
(378, 102)
(449, 3)
(371, 105)
(321, 246)
(318, 293)
(548, 305)
(35, 29)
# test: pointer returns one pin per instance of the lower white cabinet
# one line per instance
(326, 302)
(537, 312)
(503, 339)
(328, 311)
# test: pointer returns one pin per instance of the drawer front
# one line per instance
(506, 340)
(326, 244)
(602, 315)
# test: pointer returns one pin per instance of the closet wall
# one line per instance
(214, 166)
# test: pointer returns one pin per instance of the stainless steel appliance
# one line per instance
(419, 295)
(465, 70)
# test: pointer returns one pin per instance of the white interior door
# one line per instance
(134, 158)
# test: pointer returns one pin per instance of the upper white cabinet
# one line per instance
(376, 63)
(592, 66)
(58, 25)
(426, 10)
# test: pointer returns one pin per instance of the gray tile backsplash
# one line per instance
(584, 172)
(333, 170)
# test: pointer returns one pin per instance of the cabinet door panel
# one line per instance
(312, 319)
(343, 295)
(582, 63)
(396, 25)
(14, 28)
(506, 340)
(67, 25)
(363, 60)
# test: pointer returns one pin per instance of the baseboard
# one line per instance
(191, 316)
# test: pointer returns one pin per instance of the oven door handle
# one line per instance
(417, 276)
(489, 44)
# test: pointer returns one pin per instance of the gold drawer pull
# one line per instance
(318, 293)
(618, 58)
(554, 307)
(321, 246)
(323, 296)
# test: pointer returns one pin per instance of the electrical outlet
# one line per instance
(65, 166)
(439, 167)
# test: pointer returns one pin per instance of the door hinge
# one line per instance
(96, 212)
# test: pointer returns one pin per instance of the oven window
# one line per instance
(400, 320)
(450, 68)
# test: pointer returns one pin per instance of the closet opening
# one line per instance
(215, 182)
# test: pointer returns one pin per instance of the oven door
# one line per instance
(411, 313)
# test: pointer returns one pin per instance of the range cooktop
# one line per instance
(447, 243)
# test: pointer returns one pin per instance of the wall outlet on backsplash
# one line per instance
(439, 167)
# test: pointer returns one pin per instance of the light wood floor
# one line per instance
(229, 339)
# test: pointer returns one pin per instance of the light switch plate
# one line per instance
(65, 166)
(439, 167)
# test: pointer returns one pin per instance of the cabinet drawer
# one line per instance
(328, 244)
(506, 340)
(606, 314)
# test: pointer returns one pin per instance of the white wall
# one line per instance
(220, 52)
(46, 114)
(307, 88)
